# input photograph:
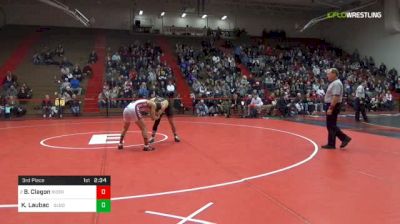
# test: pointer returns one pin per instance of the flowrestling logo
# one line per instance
(354, 15)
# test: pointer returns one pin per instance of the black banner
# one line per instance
(64, 180)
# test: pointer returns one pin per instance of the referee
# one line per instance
(359, 103)
(333, 101)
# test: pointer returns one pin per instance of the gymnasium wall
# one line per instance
(121, 15)
(368, 36)
(252, 23)
(32, 12)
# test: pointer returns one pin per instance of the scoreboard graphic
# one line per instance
(64, 194)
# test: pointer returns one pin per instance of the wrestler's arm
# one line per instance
(152, 106)
(164, 106)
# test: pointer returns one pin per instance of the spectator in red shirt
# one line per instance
(87, 71)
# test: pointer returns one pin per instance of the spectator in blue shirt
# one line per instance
(143, 91)
(75, 86)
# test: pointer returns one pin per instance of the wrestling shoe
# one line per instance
(120, 146)
(151, 140)
(176, 138)
(148, 148)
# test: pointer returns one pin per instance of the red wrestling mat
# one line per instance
(223, 171)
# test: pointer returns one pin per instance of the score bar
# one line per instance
(64, 194)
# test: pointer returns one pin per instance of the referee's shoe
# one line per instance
(345, 142)
(328, 147)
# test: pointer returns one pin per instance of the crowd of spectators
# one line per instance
(13, 96)
(299, 72)
(68, 81)
(135, 71)
(48, 56)
(215, 76)
(289, 79)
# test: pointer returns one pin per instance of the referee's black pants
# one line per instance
(331, 124)
(359, 106)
